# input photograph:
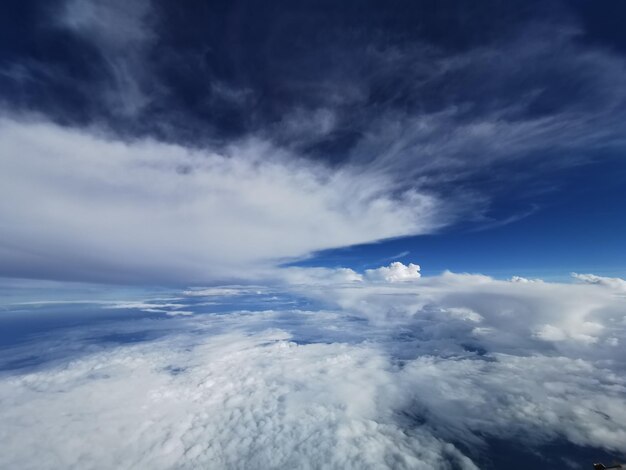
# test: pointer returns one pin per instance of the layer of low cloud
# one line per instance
(235, 402)
(382, 374)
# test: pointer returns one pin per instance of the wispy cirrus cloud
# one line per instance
(123, 34)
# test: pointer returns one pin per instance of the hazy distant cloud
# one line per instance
(219, 291)
(297, 276)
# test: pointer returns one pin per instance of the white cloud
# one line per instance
(237, 402)
(175, 313)
(390, 374)
(613, 282)
(542, 398)
(551, 333)
(509, 316)
(524, 279)
(77, 205)
(395, 272)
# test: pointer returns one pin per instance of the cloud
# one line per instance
(389, 374)
(122, 33)
(218, 291)
(524, 280)
(174, 313)
(227, 291)
(512, 317)
(235, 401)
(154, 306)
(77, 205)
(612, 282)
(306, 277)
(395, 272)
(475, 120)
(541, 398)
(144, 305)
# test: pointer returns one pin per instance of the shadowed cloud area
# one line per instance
(212, 215)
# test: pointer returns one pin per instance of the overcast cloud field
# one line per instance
(312, 235)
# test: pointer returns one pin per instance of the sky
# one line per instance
(149, 143)
(312, 234)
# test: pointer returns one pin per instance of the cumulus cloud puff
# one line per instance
(395, 272)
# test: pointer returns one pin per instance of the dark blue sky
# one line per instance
(509, 114)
